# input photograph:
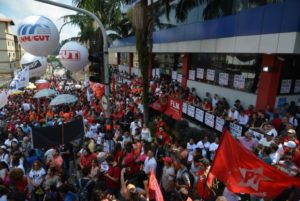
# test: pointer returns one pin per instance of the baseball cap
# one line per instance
(292, 131)
(168, 160)
(290, 144)
(270, 133)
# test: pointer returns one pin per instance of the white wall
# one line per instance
(287, 98)
(230, 94)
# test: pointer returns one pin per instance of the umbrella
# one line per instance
(63, 99)
(45, 93)
(15, 92)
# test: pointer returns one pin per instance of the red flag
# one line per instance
(154, 187)
(242, 172)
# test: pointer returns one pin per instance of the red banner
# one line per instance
(157, 105)
(174, 108)
(243, 172)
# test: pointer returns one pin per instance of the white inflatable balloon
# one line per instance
(38, 35)
(74, 56)
(37, 65)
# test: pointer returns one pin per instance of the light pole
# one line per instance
(105, 46)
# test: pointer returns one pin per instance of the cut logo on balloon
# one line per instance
(70, 55)
(42, 32)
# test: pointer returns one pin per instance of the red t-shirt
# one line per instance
(114, 172)
(86, 161)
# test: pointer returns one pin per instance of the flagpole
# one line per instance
(213, 162)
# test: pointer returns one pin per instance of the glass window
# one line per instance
(124, 58)
(167, 63)
(236, 71)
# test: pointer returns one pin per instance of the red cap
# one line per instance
(168, 160)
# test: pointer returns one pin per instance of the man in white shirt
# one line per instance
(150, 163)
(233, 114)
(10, 138)
(213, 148)
(243, 118)
(267, 140)
(191, 147)
(215, 100)
(204, 146)
(134, 125)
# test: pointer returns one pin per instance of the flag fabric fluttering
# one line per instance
(243, 172)
(154, 187)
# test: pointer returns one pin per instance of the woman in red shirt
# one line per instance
(112, 176)
(86, 158)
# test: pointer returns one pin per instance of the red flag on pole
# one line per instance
(154, 187)
(243, 172)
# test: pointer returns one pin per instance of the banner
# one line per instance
(297, 87)
(98, 89)
(179, 78)
(239, 82)
(285, 86)
(223, 79)
(210, 75)
(46, 137)
(174, 75)
(3, 99)
(243, 172)
(219, 124)
(21, 79)
(191, 111)
(209, 120)
(199, 115)
(174, 108)
(192, 74)
(236, 130)
(184, 108)
(157, 105)
(200, 73)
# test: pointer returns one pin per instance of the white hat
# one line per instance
(271, 133)
(290, 144)
(3, 147)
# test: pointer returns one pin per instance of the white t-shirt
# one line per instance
(37, 175)
(150, 164)
(94, 128)
(233, 115)
(8, 142)
(212, 148)
(191, 149)
(265, 143)
(167, 176)
(206, 145)
(146, 135)
(243, 119)
(134, 126)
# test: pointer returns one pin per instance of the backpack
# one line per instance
(191, 177)
(83, 193)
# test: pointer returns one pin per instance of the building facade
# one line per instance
(249, 52)
(10, 50)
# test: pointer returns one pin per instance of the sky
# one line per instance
(20, 9)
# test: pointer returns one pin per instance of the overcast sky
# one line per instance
(20, 9)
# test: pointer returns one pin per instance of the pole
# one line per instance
(105, 45)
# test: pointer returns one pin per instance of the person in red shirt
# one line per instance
(86, 158)
(162, 135)
(112, 176)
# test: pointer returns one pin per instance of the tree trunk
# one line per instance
(143, 32)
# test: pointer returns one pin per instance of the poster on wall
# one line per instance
(174, 75)
(239, 82)
(191, 111)
(235, 130)
(157, 72)
(179, 78)
(219, 124)
(200, 73)
(199, 115)
(210, 74)
(285, 86)
(223, 79)
(297, 86)
(192, 75)
(209, 120)
(153, 72)
(184, 108)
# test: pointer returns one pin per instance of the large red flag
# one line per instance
(242, 172)
(154, 187)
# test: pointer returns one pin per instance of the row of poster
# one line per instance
(286, 86)
(210, 120)
(238, 80)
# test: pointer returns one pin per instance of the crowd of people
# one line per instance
(115, 158)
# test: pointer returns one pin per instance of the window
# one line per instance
(124, 58)
(236, 71)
